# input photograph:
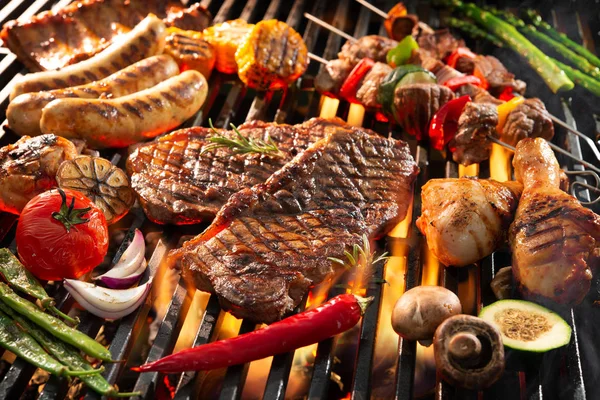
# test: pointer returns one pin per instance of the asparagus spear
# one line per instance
(580, 78)
(554, 77)
(473, 31)
(545, 27)
(577, 60)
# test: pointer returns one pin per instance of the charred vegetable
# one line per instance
(554, 77)
(468, 352)
(23, 345)
(527, 326)
(53, 325)
(420, 310)
(21, 279)
(226, 38)
(272, 56)
(190, 50)
(336, 316)
(100, 181)
(61, 234)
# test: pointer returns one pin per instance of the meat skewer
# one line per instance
(556, 120)
(553, 146)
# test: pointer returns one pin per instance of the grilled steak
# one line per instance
(367, 91)
(528, 119)
(86, 27)
(28, 168)
(476, 122)
(415, 105)
(371, 46)
(271, 242)
(177, 185)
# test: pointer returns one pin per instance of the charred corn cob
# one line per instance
(272, 56)
(226, 38)
(190, 50)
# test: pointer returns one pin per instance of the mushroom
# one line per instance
(502, 284)
(468, 352)
(420, 310)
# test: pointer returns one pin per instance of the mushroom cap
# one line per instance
(420, 310)
(468, 352)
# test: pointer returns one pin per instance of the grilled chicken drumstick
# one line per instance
(466, 219)
(555, 241)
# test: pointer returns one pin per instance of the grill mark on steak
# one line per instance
(268, 244)
(175, 184)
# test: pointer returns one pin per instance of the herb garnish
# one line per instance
(241, 144)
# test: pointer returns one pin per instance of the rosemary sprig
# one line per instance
(361, 256)
(241, 144)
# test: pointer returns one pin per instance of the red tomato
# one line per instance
(61, 234)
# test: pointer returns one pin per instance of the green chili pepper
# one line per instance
(24, 346)
(400, 54)
(21, 279)
(67, 355)
(53, 325)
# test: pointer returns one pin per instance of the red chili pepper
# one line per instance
(352, 82)
(444, 123)
(336, 316)
(458, 53)
(507, 94)
(459, 81)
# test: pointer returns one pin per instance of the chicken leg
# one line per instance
(466, 219)
(555, 241)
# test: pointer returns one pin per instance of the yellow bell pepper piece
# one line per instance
(505, 108)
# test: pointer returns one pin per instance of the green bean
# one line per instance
(21, 279)
(24, 346)
(53, 325)
(67, 355)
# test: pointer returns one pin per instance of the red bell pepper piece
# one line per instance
(484, 83)
(444, 123)
(352, 82)
(507, 94)
(458, 53)
(459, 81)
(336, 316)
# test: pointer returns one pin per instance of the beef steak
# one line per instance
(271, 242)
(176, 184)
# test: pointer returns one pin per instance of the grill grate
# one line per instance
(568, 373)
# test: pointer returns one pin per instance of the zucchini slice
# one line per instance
(527, 326)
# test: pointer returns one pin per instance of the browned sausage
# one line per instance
(129, 119)
(145, 40)
(25, 111)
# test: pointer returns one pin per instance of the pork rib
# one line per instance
(86, 27)
(177, 185)
(271, 242)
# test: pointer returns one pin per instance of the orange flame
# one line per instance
(356, 115)
(329, 107)
(500, 168)
(471, 170)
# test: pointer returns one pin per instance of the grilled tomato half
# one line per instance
(61, 234)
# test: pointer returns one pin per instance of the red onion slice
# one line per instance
(107, 303)
(130, 260)
(125, 282)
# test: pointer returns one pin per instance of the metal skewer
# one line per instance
(501, 143)
(563, 124)
(557, 120)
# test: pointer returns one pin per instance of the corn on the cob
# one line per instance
(272, 56)
(190, 50)
(226, 38)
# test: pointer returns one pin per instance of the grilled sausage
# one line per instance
(25, 111)
(129, 119)
(145, 40)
